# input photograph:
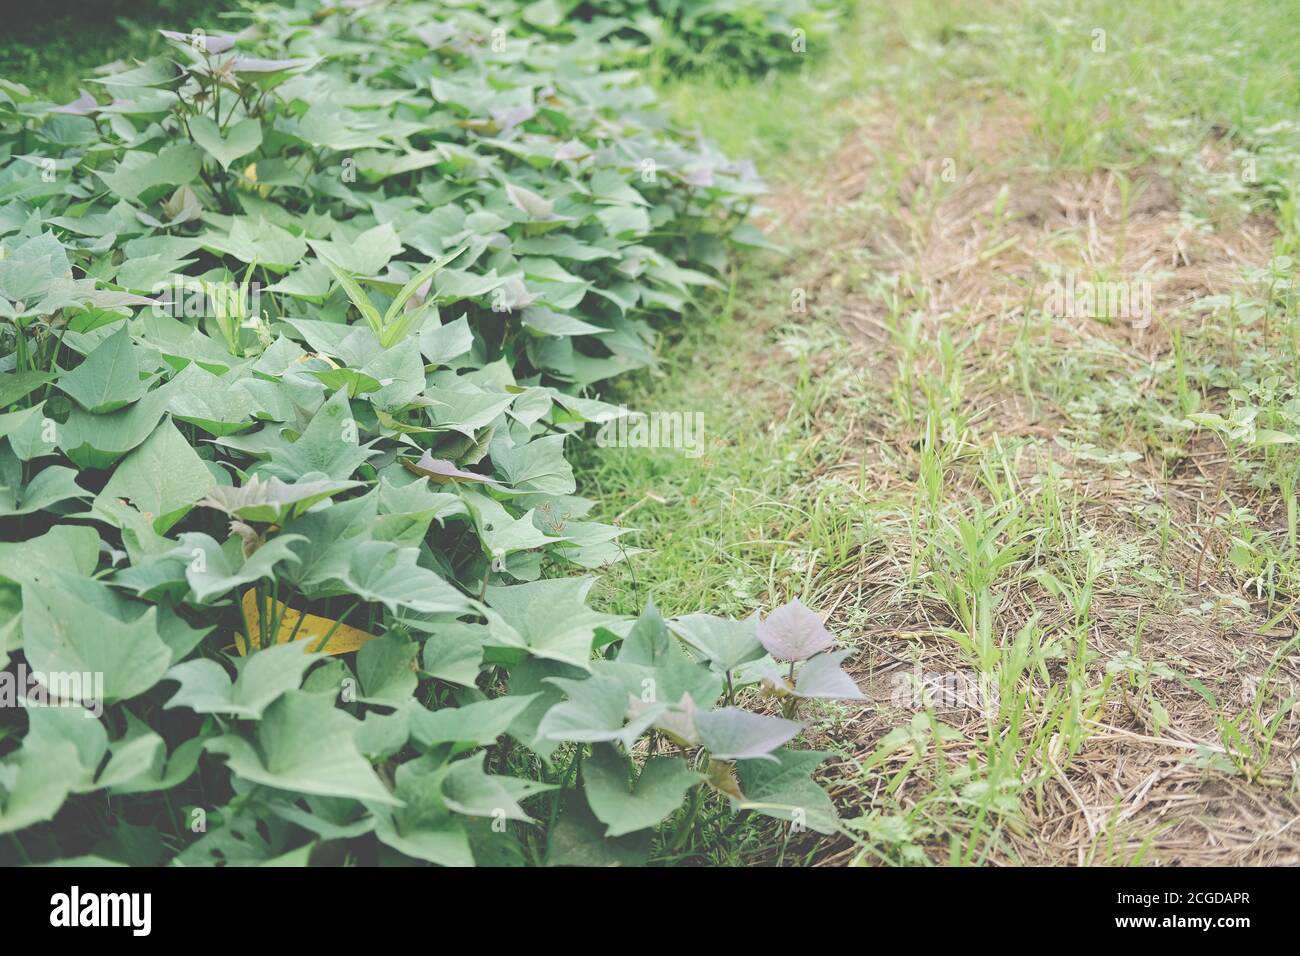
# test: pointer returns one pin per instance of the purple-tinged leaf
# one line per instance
(823, 677)
(571, 150)
(677, 722)
(208, 44)
(700, 176)
(443, 471)
(528, 201)
(273, 501)
(508, 117)
(436, 36)
(83, 105)
(794, 632)
(735, 734)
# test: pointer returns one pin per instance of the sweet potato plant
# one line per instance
(297, 323)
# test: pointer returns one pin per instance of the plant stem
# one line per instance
(688, 825)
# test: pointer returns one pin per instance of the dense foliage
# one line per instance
(297, 324)
(722, 35)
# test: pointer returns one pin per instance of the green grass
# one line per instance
(871, 482)
(53, 47)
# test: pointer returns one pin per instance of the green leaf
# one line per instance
(440, 344)
(725, 643)
(96, 441)
(48, 726)
(329, 446)
(240, 140)
(454, 652)
(546, 322)
(257, 240)
(1267, 436)
(163, 477)
(651, 648)
(536, 207)
(138, 172)
(33, 785)
(424, 828)
(626, 806)
(215, 569)
(386, 670)
(166, 770)
(66, 548)
(206, 687)
(385, 574)
(519, 534)
(478, 724)
(578, 839)
(272, 501)
(109, 377)
(538, 466)
(550, 618)
(50, 486)
(735, 734)
(30, 433)
(782, 787)
(401, 375)
(350, 380)
(468, 790)
(331, 534)
(306, 745)
(358, 297)
(367, 254)
(218, 405)
(597, 710)
(65, 634)
(241, 839)
(130, 759)
(16, 385)
(328, 817)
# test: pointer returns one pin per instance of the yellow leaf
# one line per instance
(343, 640)
(248, 181)
(722, 778)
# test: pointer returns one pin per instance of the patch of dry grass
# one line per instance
(1139, 787)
